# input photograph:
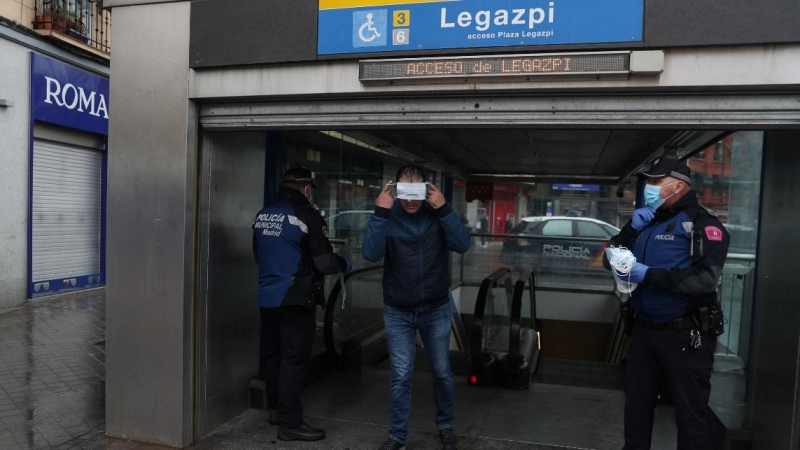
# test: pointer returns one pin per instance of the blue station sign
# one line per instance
(576, 187)
(67, 96)
(371, 26)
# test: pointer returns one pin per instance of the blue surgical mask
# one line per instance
(652, 195)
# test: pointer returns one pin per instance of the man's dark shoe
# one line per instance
(391, 444)
(302, 433)
(273, 417)
(448, 438)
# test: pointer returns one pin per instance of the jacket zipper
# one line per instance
(421, 268)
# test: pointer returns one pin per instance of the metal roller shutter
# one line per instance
(66, 212)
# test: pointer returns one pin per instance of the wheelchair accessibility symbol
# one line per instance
(369, 28)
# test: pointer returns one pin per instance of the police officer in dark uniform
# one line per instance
(290, 244)
(680, 248)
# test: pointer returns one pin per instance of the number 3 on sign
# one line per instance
(402, 18)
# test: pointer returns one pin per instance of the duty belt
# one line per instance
(681, 323)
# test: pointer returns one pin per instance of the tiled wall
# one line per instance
(20, 11)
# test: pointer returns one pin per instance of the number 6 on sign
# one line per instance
(400, 37)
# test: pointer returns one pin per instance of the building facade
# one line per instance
(54, 107)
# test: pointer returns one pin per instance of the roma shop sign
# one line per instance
(67, 96)
(369, 26)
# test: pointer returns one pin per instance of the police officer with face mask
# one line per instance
(680, 249)
(290, 244)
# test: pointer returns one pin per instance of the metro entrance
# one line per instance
(525, 169)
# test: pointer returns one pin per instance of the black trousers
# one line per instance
(656, 354)
(288, 336)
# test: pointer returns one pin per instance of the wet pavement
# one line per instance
(52, 396)
(52, 372)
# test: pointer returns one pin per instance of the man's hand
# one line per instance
(638, 273)
(641, 217)
(435, 196)
(385, 199)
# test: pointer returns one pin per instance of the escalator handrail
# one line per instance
(534, 316)
(330, 307)
(514, 325)
(514, 356)
(487, 284)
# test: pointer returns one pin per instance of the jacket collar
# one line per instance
(687, 201)
(292, 196)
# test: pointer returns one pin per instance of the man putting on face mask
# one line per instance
(680, 249)
(415, 234)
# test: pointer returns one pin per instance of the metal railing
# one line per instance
(83, 20)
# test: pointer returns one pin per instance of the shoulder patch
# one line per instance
(713, 233)
(325, 231)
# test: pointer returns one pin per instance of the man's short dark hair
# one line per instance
(411, 172)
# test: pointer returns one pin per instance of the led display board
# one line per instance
(477, 67)
(370, 26)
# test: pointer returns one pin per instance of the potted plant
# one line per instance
(43, 22)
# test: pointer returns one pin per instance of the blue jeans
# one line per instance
(401, 333)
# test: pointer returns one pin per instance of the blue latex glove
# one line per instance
(638, 272)
(347, 266)
(641, 217)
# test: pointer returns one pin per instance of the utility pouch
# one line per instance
(628, 316)
(704, 317)
(716, 319)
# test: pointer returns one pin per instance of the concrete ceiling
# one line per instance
(604, 156)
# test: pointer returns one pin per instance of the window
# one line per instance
(719, 155)
(591, 230)
(700, 156)
(557, 228)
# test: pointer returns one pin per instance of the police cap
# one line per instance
(667, 166)
(298, 175)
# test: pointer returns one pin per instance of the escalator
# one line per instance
(505, 354)
(503, 348)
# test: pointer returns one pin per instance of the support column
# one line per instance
(152, 171)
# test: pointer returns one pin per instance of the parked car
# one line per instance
(555, 244)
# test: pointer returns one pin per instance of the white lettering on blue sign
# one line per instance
(484, 19)
(71, 97)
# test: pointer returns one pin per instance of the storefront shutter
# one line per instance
(67, 211)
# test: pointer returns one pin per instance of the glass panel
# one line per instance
(728, 180)
(497, 319)
(361, 319)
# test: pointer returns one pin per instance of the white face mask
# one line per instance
(412, 191)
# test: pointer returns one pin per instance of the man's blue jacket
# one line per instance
(685, 247)
(416, 249)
